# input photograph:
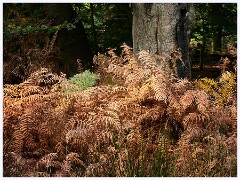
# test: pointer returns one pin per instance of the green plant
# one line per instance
(81, 81)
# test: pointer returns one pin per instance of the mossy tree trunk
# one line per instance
(159, 28)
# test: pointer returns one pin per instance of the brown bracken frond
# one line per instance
(144, 122)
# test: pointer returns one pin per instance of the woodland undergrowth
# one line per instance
(27, 53)
(137, 121)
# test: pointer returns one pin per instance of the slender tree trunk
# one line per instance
(217, 39)
(94, 29)
(159, 28)
(202, 53)
(217, 30)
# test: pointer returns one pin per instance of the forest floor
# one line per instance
(211, 69)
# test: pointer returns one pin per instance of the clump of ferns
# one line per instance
(16, 91)
(104, 64)
(213, 155)
(19, 99)
(41, 82)
(38, 129)
(203, 124)
(97, 110)
(147, 81)
(191, 108)
(101, 63)
(106, 124)
(11, 114)
(146, 77)
(155, 84)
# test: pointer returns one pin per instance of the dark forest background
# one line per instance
(61, 35)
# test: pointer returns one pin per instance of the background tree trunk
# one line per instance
(217, 39)
(73, 43)
(159, 28)
(95, 48)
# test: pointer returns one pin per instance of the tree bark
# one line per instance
(73, 43)
(159, 28)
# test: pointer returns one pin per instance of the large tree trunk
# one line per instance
(73, 43)
(159, 28)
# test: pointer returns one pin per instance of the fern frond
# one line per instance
(74, 159)
(188, 100)
(159, 86)
(147, 61)
(49, 163)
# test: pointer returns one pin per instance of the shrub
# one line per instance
(81, 81)
(223, 91)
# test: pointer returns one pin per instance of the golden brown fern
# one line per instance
(103, 128)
